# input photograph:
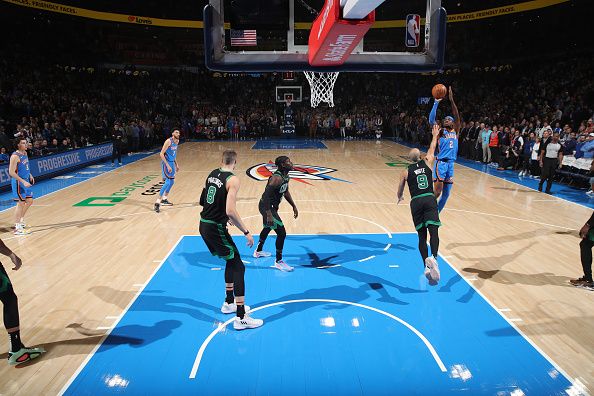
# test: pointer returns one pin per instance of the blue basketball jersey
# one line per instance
(171, 151)
(448, 145)
(23, 166)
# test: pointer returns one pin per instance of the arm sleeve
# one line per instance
(433, 112)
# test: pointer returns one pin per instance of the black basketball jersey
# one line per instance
(419, 179)
(215, 197)
(280, 190)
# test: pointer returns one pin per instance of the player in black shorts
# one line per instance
(276, 188)
(18, 352)
(423, 204)
(219, 198)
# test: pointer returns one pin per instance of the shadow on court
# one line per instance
(344, 292)
(508, 238)
(156, 301)
(135, 336)
(513, 278)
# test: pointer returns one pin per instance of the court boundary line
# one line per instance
(223, 325)
(516, 328)
(117, 322)
(491, 304)
(84, 181)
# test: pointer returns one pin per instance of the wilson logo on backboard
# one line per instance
(300, 173)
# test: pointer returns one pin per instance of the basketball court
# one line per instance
(127, 301)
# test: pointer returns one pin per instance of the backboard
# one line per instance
(282, 29)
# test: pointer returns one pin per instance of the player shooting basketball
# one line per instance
(448, 151)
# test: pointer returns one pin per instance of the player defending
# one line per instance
(21, 186)
(277, 187)
(168, 169)
(18, 352)
(423, 204)
(448, 151)
(218, 199)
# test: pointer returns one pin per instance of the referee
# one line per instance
(550, 158)
(587, 235)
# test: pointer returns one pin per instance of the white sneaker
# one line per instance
(521, 173)
(590, 192)
(281, 265)
(258, 254)
(232, 308)
(21, 231)
(247, 323)
(431, 269)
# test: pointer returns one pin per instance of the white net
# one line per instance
(322, 87)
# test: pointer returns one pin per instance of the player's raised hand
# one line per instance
(450, 93)
(435, 130)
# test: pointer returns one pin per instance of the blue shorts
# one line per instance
(165, 173)
(20, 192)
(444, 171)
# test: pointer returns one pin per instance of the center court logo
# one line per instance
(300, 173)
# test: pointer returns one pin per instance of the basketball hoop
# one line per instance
(322, 87)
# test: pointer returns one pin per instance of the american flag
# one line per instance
(243, 37)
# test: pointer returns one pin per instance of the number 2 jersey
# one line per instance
(448, 146)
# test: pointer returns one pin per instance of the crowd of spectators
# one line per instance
(506, 111)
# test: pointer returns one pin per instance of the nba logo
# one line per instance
(413, 30)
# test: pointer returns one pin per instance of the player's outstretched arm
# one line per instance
(457, 121)
(431, 151)
(433, 112)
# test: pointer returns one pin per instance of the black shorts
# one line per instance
(276, 220)
(424, 211)
(217, 239)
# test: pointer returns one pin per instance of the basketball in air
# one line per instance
(439, 91)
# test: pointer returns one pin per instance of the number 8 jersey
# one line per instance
(419, 179)
(214, 197)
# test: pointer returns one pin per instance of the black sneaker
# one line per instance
(157, 207)
(166, 203)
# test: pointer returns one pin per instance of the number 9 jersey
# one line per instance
(423, 205)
